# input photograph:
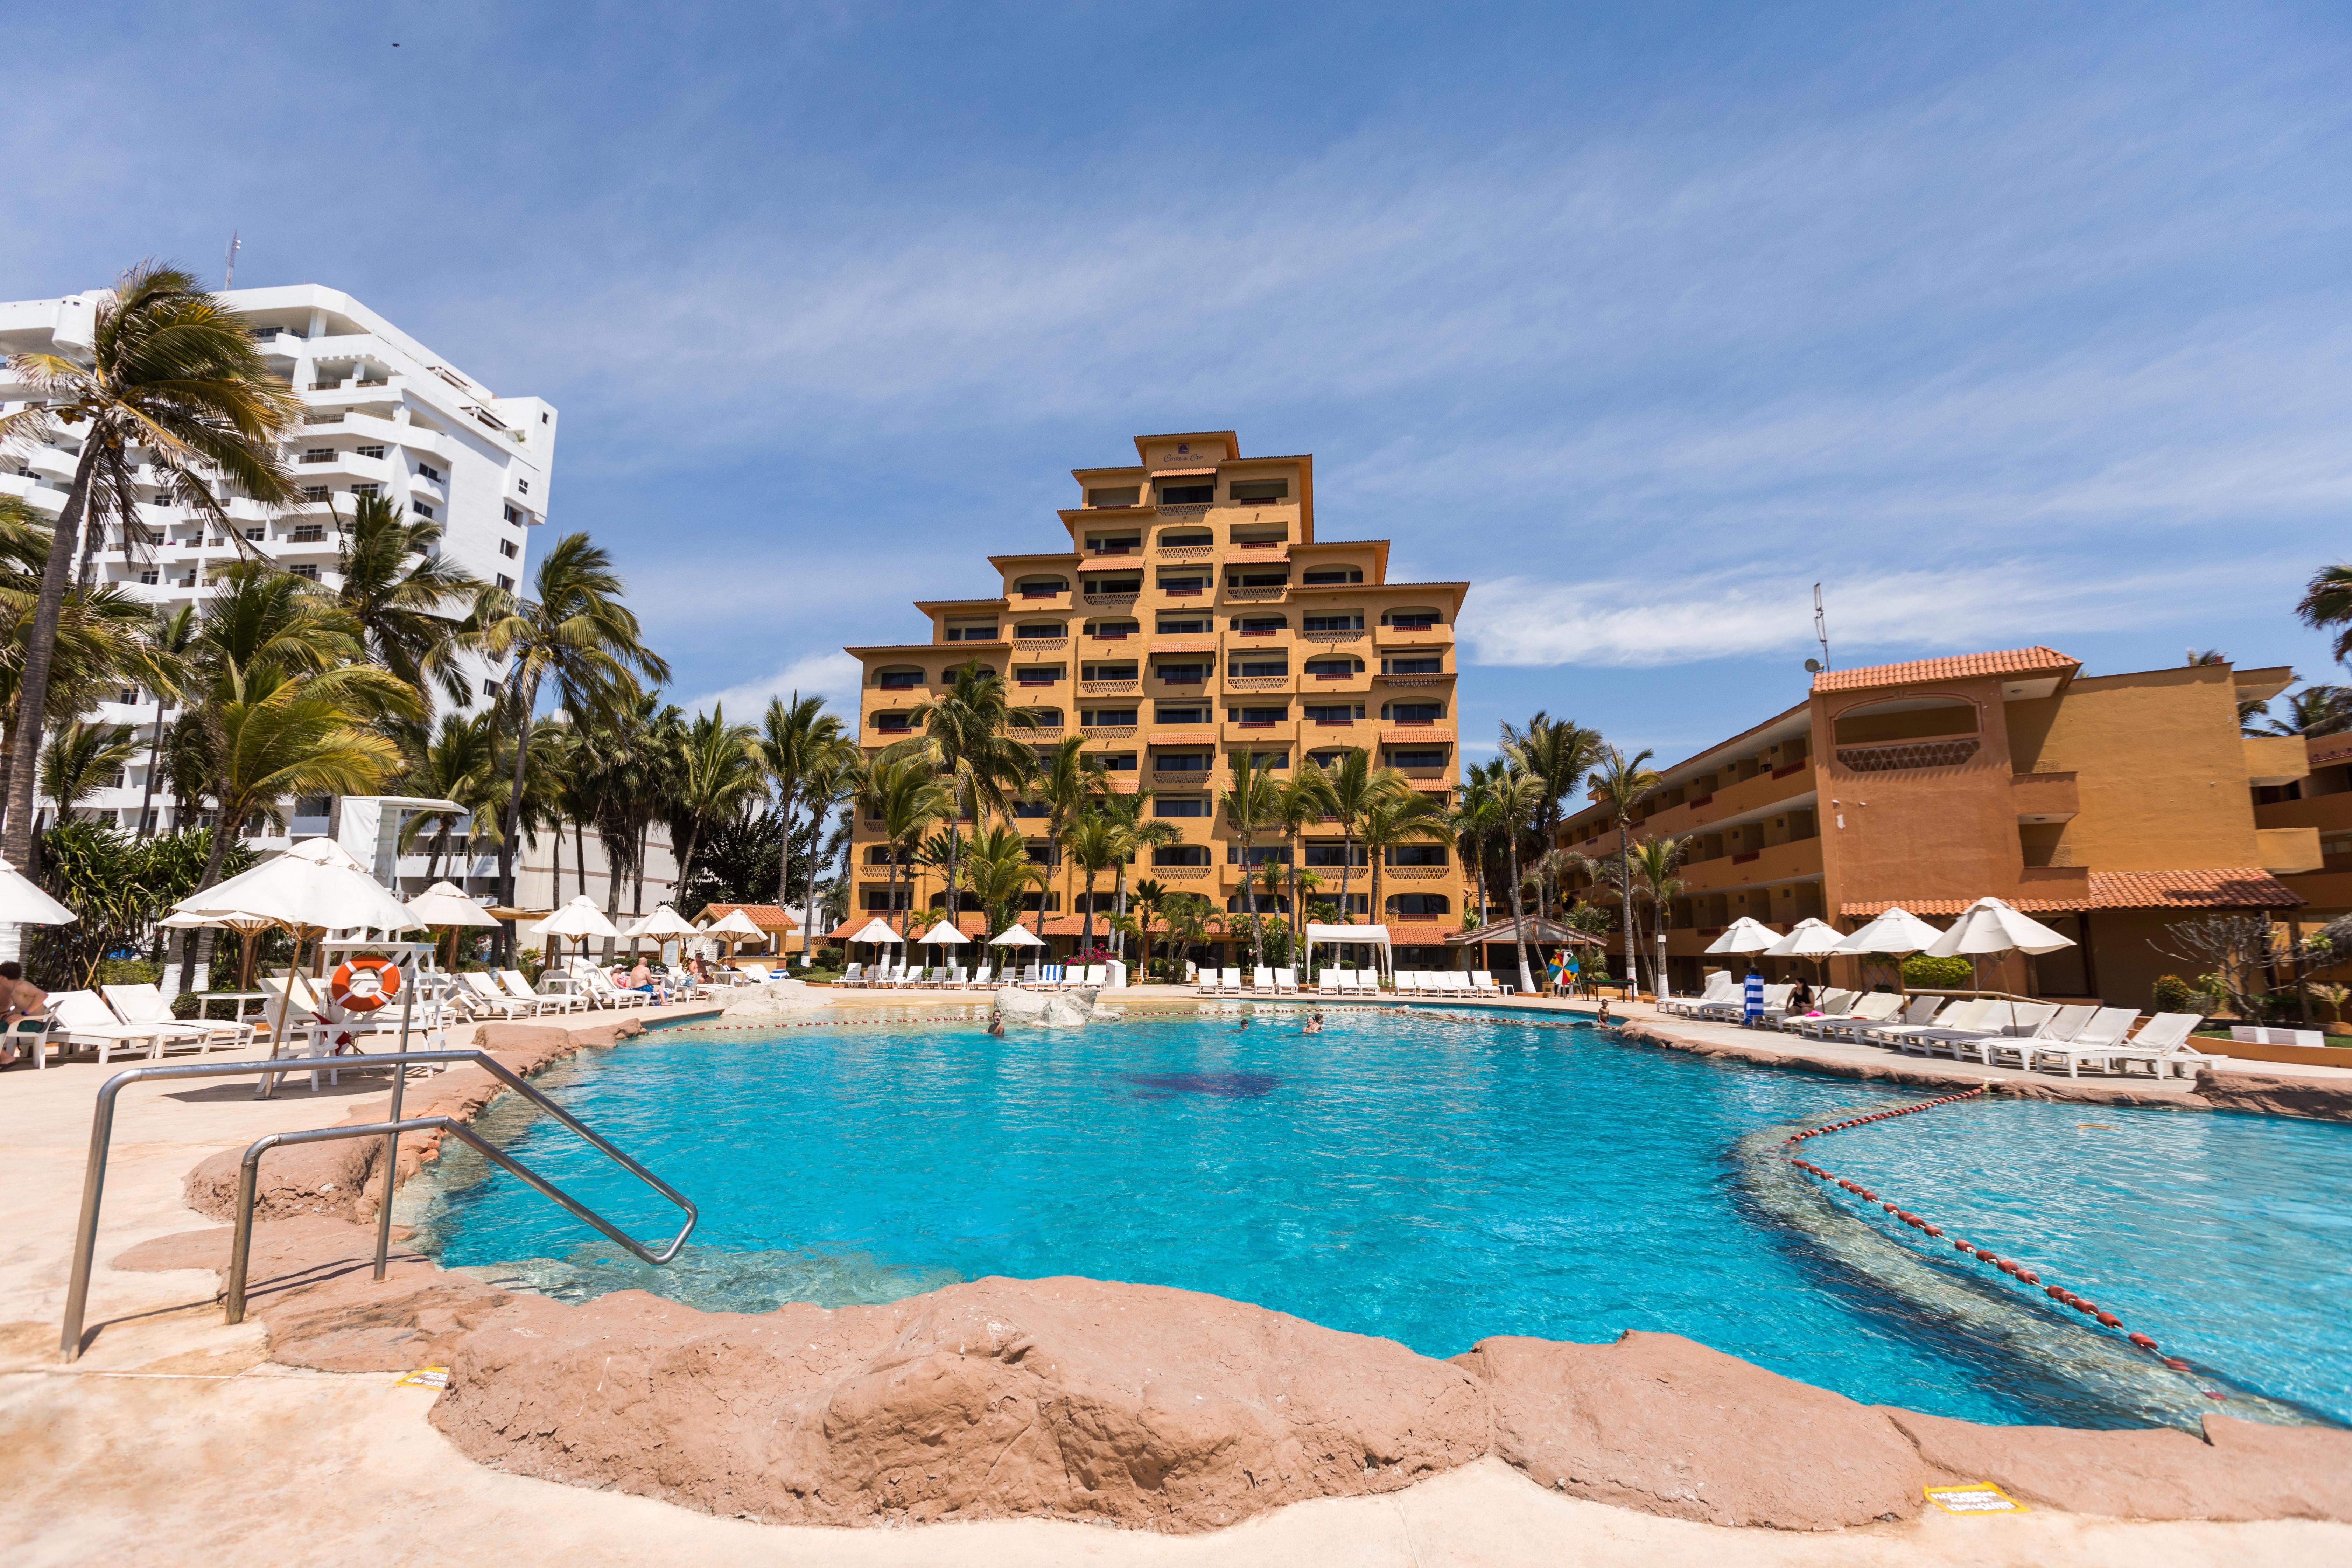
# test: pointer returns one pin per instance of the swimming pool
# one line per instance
(1436, 1181)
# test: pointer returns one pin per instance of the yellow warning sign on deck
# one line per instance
(1981, 1497)
(425, 1377)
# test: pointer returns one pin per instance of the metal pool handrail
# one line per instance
(101, 1134)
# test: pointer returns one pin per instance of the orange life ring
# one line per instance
(363, 984)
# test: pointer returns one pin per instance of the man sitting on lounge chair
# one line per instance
(21, 1002)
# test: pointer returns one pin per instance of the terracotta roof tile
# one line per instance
(1419, 732)
(767, 917)
(2213, 888)
(2002, 662)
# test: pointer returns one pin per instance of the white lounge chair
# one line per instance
(1482, 981)
(522, 990)
(1999, 1020)
(1285, 982)
(1920, 1013)
(83, 1018)
(1965, 1014)
(1873, 1008)
(2097, 1040)
(482, 996)
(1718, 988)
(145, 1004)
(2163, 1043)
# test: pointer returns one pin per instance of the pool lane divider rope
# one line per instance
(2010, 1267)
(967, 1013)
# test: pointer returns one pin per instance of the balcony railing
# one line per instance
(1110, 687)
(1107, 732)
(1256, 682)
(1185, 551)
(1414, 873)
(1909, 755)
(1039, 645)
(1356, 636)
(1272, 591)
(1111, 596)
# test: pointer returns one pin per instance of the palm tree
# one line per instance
(1562, 753)
(2315, 711)
(458, 762)
(1651, 865)
(997, 870)
(1619, 783)
(1144, 906)
(174, 382)
(1190, 918)
(1403, 817)
(967, 739)
(1248, 807)
(905, 797)
(574, 631)
(718, 773)
(1068, 783)
(1305, 797)
(167, 667)
(1519, 797)
(100, 645)
(2326, 603)
(82, 760)
(1095, 841)
(831, 783)
(1475, 820)
(1351, 788)
(402, 593)
(799, 740)
(1136, 833)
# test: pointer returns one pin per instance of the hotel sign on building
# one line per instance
(1191, 614)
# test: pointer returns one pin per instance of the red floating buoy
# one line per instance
(2109, 1320)
(2176, 1364)
(2055, 1292)
(2029, 1276)
(1984, 1257)
(1934, 1229)
(2142, 1341)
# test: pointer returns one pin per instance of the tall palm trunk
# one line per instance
(1625, 897)
(1347, 864)
(40, 652)
(785, 802)
(1086, 934)
(1118, 906)
(578, 859)
(1520, 917)
(154, 759)
(510, 820)
(1249, 892)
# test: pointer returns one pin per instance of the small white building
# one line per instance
(385, 415)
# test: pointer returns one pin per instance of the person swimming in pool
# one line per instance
(1244, 1023)
(1603, 1018)
(1314, 1024)
(996, 1024)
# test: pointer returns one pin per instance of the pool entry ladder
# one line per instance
(101, 1134)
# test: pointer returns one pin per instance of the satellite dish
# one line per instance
(1814, 666)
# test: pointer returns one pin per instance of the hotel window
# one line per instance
(489, 688)
(1268, 759)
(1115, 495)
(983, 632)
(420, 509)
(314, 492)
(1115, 761)
(1261, 490)
(898, 679)
(1042, 587)
(1335, 854)
(254, 535)
(1417, 854)
(1321, 577)
(505, 584)
(308, 534)
(368, 489)
(1186, 673)
(509, 549)
(429, 471)
(1410, 620)
(1345, 621)
(149, 577)
(1181, 762)
(1042, 854)
(1184, 626)
(1189, 494)
(1113, 631)
(1413, 712)
(1187, 538)
(1178, 805)
(1257, 579)
(1180, 854)
(311, 573)
(523, 486)
(1334, 713)
(1108, 671)
(514, 515)
(1259, 626)
(1256, 668)
(1163, 713)
(1115, 587)
(1041, 631)
(370, 451)
(1031, 808)
(1268, 903)
(1418, 664)
(1248, 717)
(1433, 757)
(1099, 717)
(1420, 904)
(1189, 584)
(1333, 668)
(1258, 854)
(883, 899)
(892, 722)
(1114, 543)
(319, 454)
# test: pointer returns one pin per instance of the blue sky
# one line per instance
(2007, 322)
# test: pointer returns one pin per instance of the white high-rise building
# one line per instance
(386, 414)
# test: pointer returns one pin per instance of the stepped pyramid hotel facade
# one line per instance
(1191, 615)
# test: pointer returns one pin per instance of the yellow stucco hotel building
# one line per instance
(1191, 614)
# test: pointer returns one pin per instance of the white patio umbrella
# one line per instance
(444, 905)
(310, 890)
(662, 926)
(943, 933)
(1895, 934)
(247, 926)
(25, 904)
(1745, 935)
(1990, 925)
(734, 926)
(578, 920)
(1809, 938)
(876, 930)
(1015, 936)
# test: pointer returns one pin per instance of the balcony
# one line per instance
(1029, 682)
(2287, 851)
(1415, 873)
(1184, 551)
(1123, 598)
(2276, 759)
(1247, 595)
(1039, 645)
(1787, 862)
(1176, 873)
(1335, 640)
(1752, 793)
(1182, 778)
(1404, 636)
(1107, 732)
(1259, 683)
(1110, 688)
(2045, 797)
(1902, 756)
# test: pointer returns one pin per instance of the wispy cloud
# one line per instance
(832, 676)
(1647, 622)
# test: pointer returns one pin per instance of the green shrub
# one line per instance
(2174, 994)
(1934, 973)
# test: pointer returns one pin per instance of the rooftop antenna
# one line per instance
(1821, 634)
(228, 277)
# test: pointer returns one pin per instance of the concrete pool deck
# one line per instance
(177, 1438)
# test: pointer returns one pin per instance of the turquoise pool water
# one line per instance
(1436, 1181)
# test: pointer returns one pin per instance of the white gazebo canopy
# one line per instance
(875, 931)
(1745, 935)
(943, 933)
(1378, 936)
(22, 901)
(1015, 936)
